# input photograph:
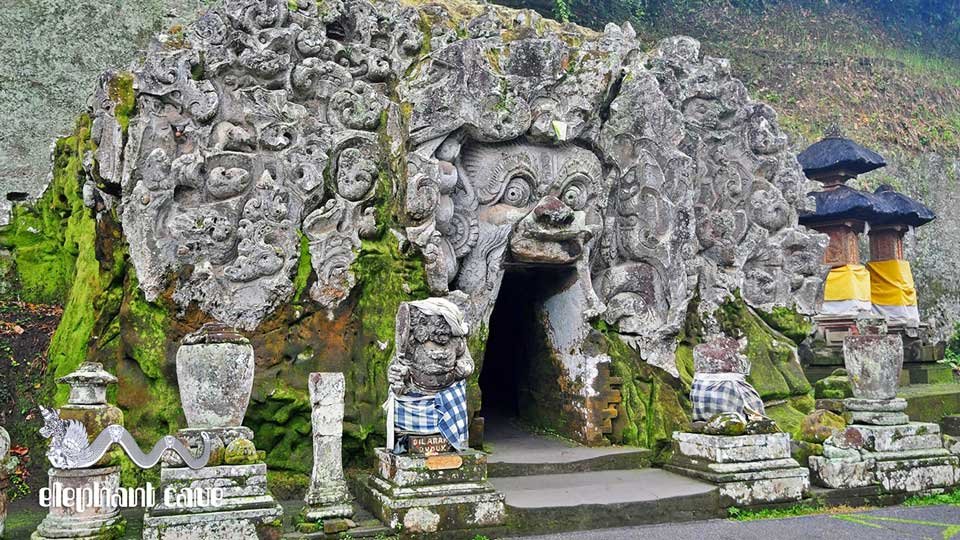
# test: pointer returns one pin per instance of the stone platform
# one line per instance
(747, 469)
(426, 494)
(247, 509)
(900, 458)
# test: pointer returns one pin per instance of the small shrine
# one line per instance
(883, 284)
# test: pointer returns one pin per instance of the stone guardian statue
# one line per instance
(428, 375)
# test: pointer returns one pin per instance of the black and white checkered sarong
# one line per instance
(715, 393)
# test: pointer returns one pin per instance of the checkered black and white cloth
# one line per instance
(715, 393)
(444, 412)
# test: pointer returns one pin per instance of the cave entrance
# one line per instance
(520, 376)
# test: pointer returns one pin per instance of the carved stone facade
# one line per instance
(494, 141)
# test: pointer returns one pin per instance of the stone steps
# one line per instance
(515, 452)
(602, 499)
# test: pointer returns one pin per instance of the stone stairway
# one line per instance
(554, 485)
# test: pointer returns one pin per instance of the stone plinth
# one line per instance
(901, 458)
(882, 447)
(748, 469)
(428, 494)
(246, 508)
(327, 496)
(96, 522)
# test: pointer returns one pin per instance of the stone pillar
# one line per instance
(215, 368)
(88, 405)
(327, 500)
(881, 446)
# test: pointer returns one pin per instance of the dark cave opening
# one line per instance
(519, 375)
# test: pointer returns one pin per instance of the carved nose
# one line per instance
(552, 211)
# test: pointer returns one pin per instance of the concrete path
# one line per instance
(599, 487)
(896, 523)
(511, 444)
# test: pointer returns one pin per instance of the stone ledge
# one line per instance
(410, 470)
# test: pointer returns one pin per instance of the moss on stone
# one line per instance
(787, 417)
(304, 268)
(120, 91)
(788, 322)
(776, 372)
(654, 403)
(287, 485)
(280, 418)
(240, 451)
(48, 237)
(835, 386)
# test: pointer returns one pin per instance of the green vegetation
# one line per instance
(803, 509)
(950, 497)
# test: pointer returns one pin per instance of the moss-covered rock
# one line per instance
(835, 386)
(819, 425)
(240, 451)
(776, 372)
(654, 403)
(802, 450)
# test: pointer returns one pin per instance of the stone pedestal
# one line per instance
(327, 498)
(883, 447)
(748, 469)
(88, 405)
(97, 522)
(427, 494)
(245, 510)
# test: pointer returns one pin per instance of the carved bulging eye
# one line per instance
(517, 192)
(574, 196)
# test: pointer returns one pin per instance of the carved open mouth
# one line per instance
(560, 247)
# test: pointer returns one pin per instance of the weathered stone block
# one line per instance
(724, 449)
(247, 507)
(878, 418)
(833, 473)
(482, 507)
(898, 438)
(917, 475)
(875, 405)
(409, 470)
(94, 521)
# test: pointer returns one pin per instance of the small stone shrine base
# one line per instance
(883, 448)
(101, 521)
(246, 513)
(748, 469)
(428, 494)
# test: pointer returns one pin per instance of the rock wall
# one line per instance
(48, 54)
(298, 169)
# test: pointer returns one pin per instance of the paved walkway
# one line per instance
(511, 444)
(896, 523)
(600, 487)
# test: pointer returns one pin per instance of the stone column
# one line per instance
(88, 405)
(328, 498)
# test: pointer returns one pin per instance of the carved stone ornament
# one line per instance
(71, 449)
(493, 142)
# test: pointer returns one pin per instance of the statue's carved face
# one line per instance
(547, 193)
(432, 352)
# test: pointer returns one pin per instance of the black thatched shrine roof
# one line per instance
(882, 207)
(838, 154)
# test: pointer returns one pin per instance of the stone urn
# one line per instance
(215, 374)
(873, 359)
